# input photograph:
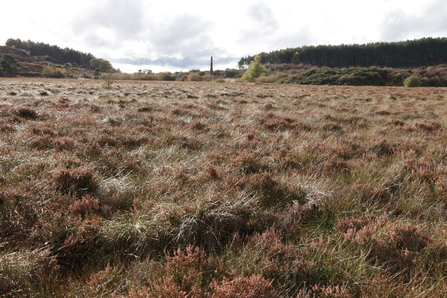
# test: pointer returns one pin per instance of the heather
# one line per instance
(169, 189)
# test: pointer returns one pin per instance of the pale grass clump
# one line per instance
(132, 237)
(22, 272)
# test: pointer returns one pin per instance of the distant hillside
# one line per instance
(39, 66)
(410, 53)
(37, 59)
(53, 52)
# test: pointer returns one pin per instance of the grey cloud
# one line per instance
(189, 62)
(262, 15)
(122, 18)
(298, 38)
(95, 40)
(397, 25)
(264, 24)
(183, 34)
(182, 41)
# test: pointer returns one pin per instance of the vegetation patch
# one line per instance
(199, 189)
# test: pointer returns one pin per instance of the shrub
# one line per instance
(165, 76)
(412, 81)
(271, 78)
(101, 64)
(194, 77)
(255, 70)
(52, 72)
(207, 77)
(108, 82)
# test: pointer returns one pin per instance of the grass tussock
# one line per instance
(163, 189)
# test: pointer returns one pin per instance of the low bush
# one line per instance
(53, 72)
(194, 77)
(412, 81)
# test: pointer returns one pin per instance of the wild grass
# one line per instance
(156, 189)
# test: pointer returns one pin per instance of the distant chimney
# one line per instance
(211, 67)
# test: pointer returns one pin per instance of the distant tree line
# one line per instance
(425, 51)
(56, 53)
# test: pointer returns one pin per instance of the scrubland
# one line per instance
(152, 189)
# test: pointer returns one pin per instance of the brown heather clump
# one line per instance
(42, 143)
(42, 130)
(332, 291)
(5, 128)
(198, 189)
(79, 180)
(85, 205)
(408, 237)
(64, 143)
(247, 287)
(396, 247)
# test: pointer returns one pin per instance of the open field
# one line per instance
(152, 189)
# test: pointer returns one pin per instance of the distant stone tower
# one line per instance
(211, 66)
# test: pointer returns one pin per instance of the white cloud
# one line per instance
(260, 25)
(183, 34)
(405, 21)
(110, 22)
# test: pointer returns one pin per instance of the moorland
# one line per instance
(175, 189)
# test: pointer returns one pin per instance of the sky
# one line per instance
(166, 35)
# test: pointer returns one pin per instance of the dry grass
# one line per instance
(152, 189)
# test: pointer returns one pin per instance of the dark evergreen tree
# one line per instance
(425, 51)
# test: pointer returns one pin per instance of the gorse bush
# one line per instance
(412, 81)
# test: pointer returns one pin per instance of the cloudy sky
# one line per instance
(166, 35)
